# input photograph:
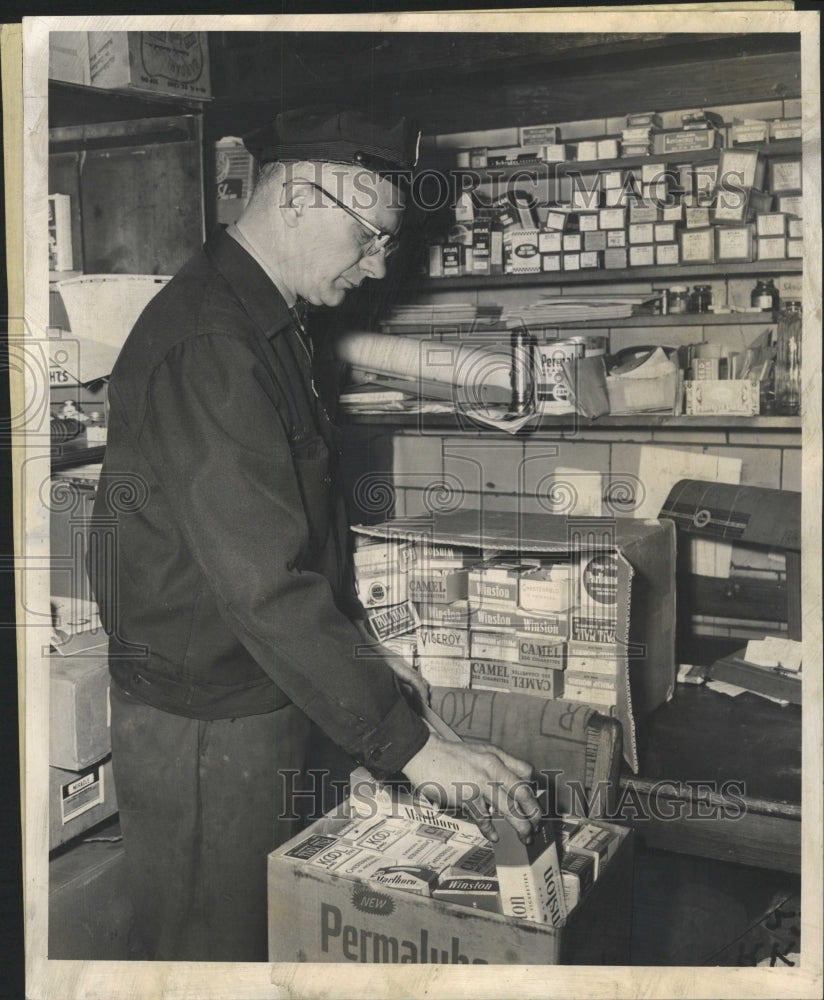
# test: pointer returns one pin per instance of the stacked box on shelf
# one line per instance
(79, 800)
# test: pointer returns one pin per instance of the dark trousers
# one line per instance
(201, 806)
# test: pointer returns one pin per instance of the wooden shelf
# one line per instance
(591, 276)
(540, 171)
(453, 421)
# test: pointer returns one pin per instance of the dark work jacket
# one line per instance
(218, 551)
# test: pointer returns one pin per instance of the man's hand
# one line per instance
(475, 776)
(410, 679)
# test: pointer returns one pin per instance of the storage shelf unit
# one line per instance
(610, 275)
(454, 421)
(540, 171)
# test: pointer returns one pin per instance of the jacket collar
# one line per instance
(255, 290)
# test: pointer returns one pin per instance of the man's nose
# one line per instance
(374, 265)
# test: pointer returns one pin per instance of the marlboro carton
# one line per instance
(456, 614)
(389, 622)
(547, 589)
(443, 641)
(529, 875)
(418, 879)
(555, 624)
(438, 586)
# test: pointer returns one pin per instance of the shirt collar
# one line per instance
(256, 291)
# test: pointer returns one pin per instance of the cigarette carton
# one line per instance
(597, 842)
(442, 641)
(577, 875)
(490, 675)
(481, 894)
(438, 586)
(495, 583)
(405, 646)
(536, 652)
(428, 557)
(386, 623)
(500, 646)
(378, 557)
(455, 614)
(445, 671)
(529, 875)
(546, 589)
(417, 879)
(381, 590)
(541, 682)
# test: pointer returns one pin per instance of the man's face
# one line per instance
(335, 245)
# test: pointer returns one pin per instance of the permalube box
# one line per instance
(79, 731)
(79, 800)
(319, 916)
(638, 603)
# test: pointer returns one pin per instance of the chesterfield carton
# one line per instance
(316, 914)
(623, 573)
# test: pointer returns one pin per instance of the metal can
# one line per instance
(551, 394)
(522, 371)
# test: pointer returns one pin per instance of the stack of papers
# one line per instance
(554, 309)
(408, 317)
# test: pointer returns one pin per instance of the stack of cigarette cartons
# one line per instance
(388, 878)
(585, 614)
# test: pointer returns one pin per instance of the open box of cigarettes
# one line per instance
(388, 878)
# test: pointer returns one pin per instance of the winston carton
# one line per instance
(494, 583)
(553, 624)
(455, 614)
(529, 875)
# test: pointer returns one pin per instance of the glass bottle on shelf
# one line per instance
(765, 295)
(788, 360)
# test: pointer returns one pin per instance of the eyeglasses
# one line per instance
(386, 242)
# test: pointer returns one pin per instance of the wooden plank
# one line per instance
(757, 840)
(142, 208)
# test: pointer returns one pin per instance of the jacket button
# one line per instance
(327, 479)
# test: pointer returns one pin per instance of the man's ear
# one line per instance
(294, 203)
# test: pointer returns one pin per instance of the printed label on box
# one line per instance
(82, 794)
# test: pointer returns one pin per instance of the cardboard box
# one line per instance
(688, 140)
(791, 204)
(615, 258)
(795, 248)
(537, 135)
(698, 246)
(521, 252)
(166, 62)
(789, 128)
(616, 238)
(90, 915)
(732, 397)
(69, 57)
(550, 262)
(79, 711)
(664, 232)
(595, 241)
(591, 258)
(734, 243)
(607, 149)
(550, 242)
(571, 262)
(772, 247)
(785, 176)
(320, 916)
(616, 197)
(667, 254)
(642, 256)
(641, 232)
(771, 224)
(79, 800)
(612, 218)
(556, 152)
(642, 558)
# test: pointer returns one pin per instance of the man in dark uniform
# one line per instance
(219, 548)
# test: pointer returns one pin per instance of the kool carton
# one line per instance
(623, 574)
